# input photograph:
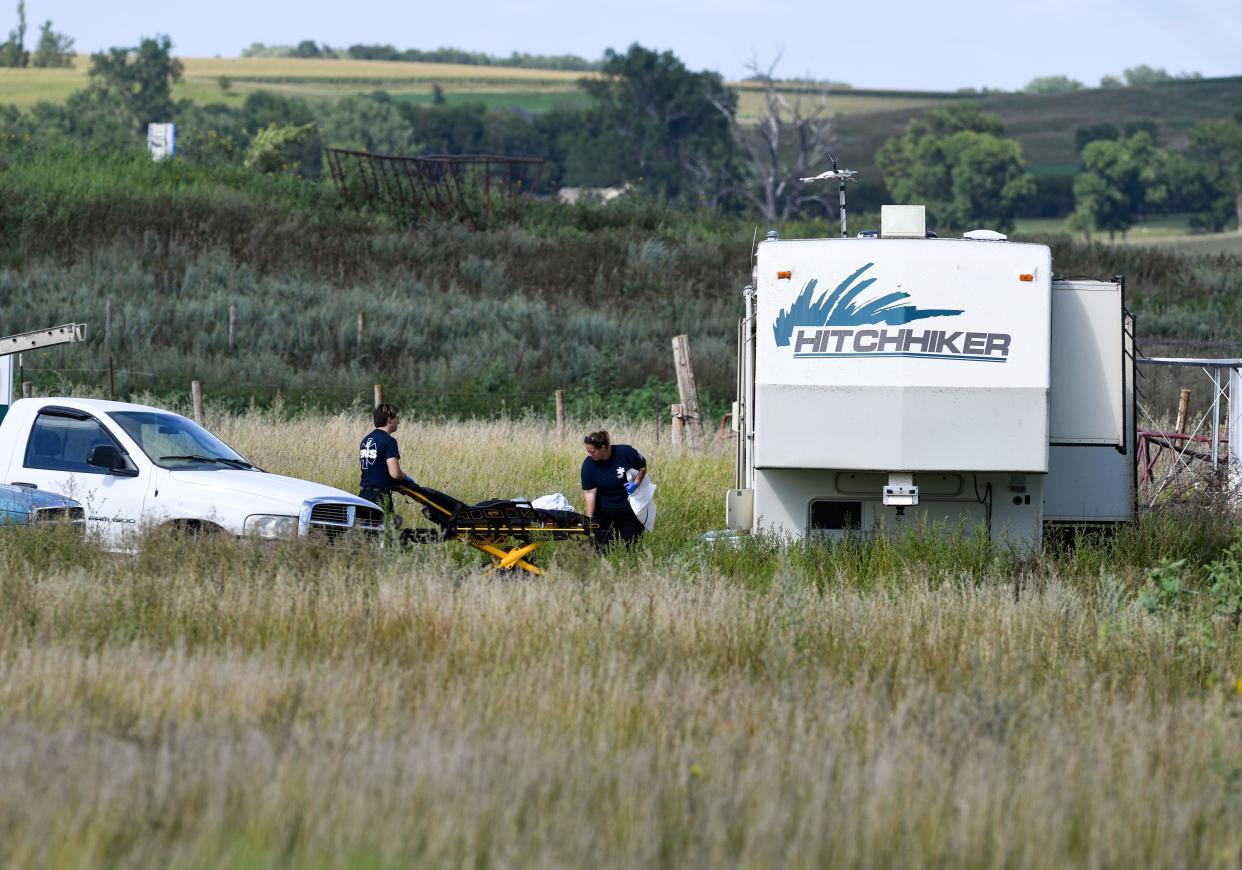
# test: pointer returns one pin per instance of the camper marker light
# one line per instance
(784, 275)
(1026, 276)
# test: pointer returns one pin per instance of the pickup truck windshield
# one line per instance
(175, 442)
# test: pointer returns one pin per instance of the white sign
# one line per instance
(161, 140)
(874, 312)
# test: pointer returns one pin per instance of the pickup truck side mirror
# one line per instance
(108, 457)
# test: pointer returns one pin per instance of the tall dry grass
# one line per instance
(221, 704)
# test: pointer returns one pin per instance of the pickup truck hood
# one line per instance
(24, 498)
(261, 485)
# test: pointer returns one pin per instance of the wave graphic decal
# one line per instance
(839, 308)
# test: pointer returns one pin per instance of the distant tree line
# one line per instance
(52, 50)
(1135, 77)
(308, 48)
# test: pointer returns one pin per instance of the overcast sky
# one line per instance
(924, 45)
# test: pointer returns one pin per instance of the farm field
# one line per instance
(319, 79)
(912, 702)
(313, 79)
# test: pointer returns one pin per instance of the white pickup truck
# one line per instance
(134, 467)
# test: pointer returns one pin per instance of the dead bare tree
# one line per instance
(792, 139)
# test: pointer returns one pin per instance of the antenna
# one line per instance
(842, 175)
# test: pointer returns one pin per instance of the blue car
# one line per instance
(25, 505)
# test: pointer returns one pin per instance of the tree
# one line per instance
(656, 122)
(373, 123)
(956, 161)
(264, 109)
(137, 81)
(271, 147)
(990, 182)
(1218, 144)
(306, 48)
(1145, 75)
(1052, 85)
(956, 117)
(1092, 132)
(13, 53)
(1197, 187)
(1084, 136)
(791, 141)
(1120, 179)
(1109, 82)
(54, 49)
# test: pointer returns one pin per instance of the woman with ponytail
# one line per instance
(606, 487)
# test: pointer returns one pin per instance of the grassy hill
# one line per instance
(458, 322)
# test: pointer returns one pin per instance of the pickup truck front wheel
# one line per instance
(192, 530)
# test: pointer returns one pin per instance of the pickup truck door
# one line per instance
(58, 449)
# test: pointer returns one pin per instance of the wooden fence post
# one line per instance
(362, 324)
(111, 379)
(379, 395)
(1183, 408)
(107, 342)
(687, 390)
(560, 415)
(232, 325)
(196, 396)
(678, 436)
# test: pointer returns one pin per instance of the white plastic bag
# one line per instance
(642, 500)
(554, 502)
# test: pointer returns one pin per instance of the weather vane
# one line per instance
(842, 176)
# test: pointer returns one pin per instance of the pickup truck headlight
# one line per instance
(271, 526)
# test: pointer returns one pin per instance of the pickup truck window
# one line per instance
(63, 443)
(177, 443)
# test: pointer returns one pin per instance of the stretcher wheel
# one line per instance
(412, 537)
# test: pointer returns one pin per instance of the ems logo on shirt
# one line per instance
(367, 453)
(620, 472)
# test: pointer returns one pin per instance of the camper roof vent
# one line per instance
(985, 236)
(903, 221)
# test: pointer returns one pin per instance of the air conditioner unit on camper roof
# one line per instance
(903, 222)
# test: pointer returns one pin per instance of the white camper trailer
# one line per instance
(900, 379)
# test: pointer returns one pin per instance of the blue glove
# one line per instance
(630, 486)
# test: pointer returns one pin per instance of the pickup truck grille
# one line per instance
(334, 520)
(330, 514)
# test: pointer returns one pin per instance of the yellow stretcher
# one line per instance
(506, 530)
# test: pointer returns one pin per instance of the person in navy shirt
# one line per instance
(379, 459)
(606, 489)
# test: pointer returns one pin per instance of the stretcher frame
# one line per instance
(507, 531)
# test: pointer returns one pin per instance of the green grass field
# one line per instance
(1165, 231)
(916, 702)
